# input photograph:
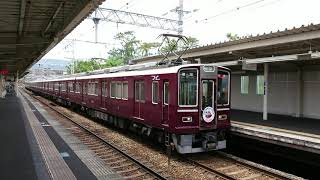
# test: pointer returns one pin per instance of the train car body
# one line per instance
(189, 105)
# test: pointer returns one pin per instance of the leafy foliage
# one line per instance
(145, 48)
(173, 46)
(130, 48)
(232, 37)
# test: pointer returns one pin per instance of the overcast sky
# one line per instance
(209, 23)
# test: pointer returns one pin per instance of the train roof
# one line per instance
(140, 72)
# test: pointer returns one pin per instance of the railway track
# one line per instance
(234, 168)
(122, 163)
(212, 164)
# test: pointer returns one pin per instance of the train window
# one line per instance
(56, 86)
(70, 85)
(119, 90)
(93, 88)
(207, 94)
(166, 93)
(260, 85)
(155, 92)
(63, 86)
(103, 89)
(84, 88)
(244, 84)
(223, 87)
(78, 87)
(125, 90)
(139, 91)
(96, 88)
(188, 94)
(112, 89)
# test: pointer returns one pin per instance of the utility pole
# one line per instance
(179, 10)
(96, 22)
(180, 15)
(73, 57)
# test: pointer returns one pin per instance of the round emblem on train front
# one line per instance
(208, 114)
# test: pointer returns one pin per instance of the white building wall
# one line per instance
(282, 97)
(311, 99)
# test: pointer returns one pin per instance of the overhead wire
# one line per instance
(231, 10)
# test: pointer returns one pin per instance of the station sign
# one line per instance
(249, 67)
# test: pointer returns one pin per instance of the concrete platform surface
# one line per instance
(305, 125)
(280, 130)
(32, 150)
(15, 155)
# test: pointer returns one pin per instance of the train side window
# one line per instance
(63, 86)
(84, 89)
(56, 86)
(112, 89)
(125, 90)
(155, 92)
(103, 89)
(96, 88)
(136, 91)
(166, 93)
(70, 84)
(140, 91)
(93, 88)
(119, 90)
(78, 85)
(90, 88)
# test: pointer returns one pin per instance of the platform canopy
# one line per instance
(30, 28)
(303, 43)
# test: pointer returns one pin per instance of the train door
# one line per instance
(165, 102)
(208, 102)
(84, 91)
(139, 99)
(103, 94)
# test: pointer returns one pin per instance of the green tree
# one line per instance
(172, 45)
(232, 37)
(129, 46)
(83, 66)
(192, 42)
(145, 47)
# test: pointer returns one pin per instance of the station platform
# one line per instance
(36, 146)
(298, 133)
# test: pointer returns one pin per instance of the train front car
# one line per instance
(203, 109)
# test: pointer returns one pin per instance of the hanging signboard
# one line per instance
(249, 67)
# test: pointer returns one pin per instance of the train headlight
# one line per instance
(222, 117)
(187, 119)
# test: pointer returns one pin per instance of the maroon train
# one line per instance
(188, 105)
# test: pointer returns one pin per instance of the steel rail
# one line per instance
(210, 169)
(265, 171)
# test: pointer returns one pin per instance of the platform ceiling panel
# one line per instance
(30, 28)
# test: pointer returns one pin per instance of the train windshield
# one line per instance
(188, 94)
(223, 87)
(207, 94)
